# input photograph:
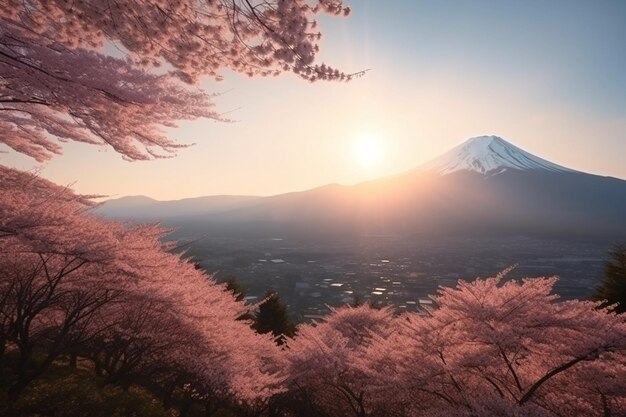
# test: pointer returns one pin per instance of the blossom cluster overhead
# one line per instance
(57, 85)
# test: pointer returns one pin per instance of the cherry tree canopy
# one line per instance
(56, 84)
(504, 348)
(67, 276)
(324, 360)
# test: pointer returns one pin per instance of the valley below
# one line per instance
(313, 277)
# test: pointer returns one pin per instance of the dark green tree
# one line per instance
(613, 287)
(273, 317)
(233, 286)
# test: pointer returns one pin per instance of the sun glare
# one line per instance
(368, 150)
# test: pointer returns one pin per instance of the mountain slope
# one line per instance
(515, 202)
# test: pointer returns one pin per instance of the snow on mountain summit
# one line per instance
(488, 155)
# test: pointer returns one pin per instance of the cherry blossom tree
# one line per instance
(49, 91)
(57, 85)
(51, 266)
(323, 362)
(68, 278)
(488, 347)
(504, 348)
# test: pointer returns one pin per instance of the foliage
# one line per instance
(73, 283)
(489, 348)
(56, 82)
(612, 290)
(512, 348)
(233, 286)
(322, 361)
(272, 317)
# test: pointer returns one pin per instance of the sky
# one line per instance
(548, 76)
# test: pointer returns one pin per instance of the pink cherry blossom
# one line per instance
(69, 278)
(56, 84)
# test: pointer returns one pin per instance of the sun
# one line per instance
(368, 150)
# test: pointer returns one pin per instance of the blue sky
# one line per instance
(546, 75)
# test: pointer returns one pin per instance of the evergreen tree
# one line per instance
(613, 287)
(234, 286)
(273, 317)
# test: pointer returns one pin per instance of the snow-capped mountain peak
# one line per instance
(488, 155)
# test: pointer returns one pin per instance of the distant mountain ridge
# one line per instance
(146, 208)
(486, 185)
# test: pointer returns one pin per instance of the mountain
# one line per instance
(145, 208)
(485, 186)
(489, 155)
